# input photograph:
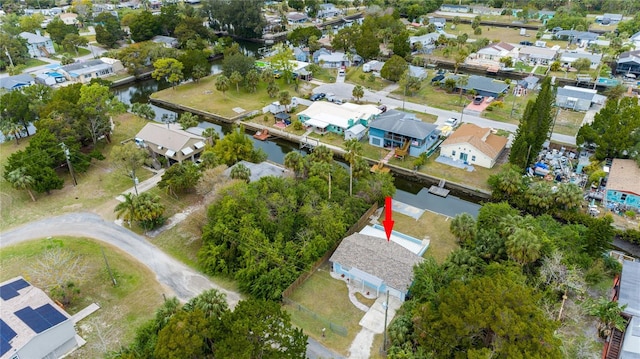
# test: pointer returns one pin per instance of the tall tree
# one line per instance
(285, 99)
(58, 30)
(19, 179)
(393, 68)
(169, 70)
(71, 42)
(129, 158)
(401, 45)
(108, 30)
(241, 18)
(126, 209)
(534, 126)
(357, 92)
(353, 148)
(97, 103)
(282, 61)
(236, 79)
(144, 26)
(222, 83)
(188, 120)
(180, 178)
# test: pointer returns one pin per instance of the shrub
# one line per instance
(297, 125)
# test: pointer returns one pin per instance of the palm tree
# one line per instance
(608, 314)
(127, 209)
(212, 303)
(523, 246)
(222, 83)
(19, 179)
(296, 162)
(358, 92)
(149, 210)
(321, 153)
(241, 172)
(568, 196)
(461, 82)
(211, 135)
(463, 226)
(285, 99)
(354, 148)
(322, 169)
(236, 78)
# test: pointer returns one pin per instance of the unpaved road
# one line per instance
(185, 282)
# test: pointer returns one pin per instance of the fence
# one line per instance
(364, 219)
(326, 323)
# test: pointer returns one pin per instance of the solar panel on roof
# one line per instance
(51, 315)
(40, 319)
(6, 334)
(10, 290)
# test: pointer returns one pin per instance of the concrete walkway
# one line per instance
(373, 323)
(144, 185)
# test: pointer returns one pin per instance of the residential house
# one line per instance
(260, 170)
(69, 18)
(581, 38)
(625, 344)
(439, 22)
(525, 85)
(397, 129)
(474, 145)
(328, 10)
(50, 78)
(319, 52)
(376, 264)
(336, 59)
(297, 18)
(166, 41)
(568, 58)
(31, 324)
(623, 184)
(16, 82)
(537, 55)
(577, 98)
(171, 142)
(301, 54)
(545, 15)
(635, 40)
(454, 8)
(490, 56)
(83, 72)
(38, 45)
(483, 86)
(609, 19)
(373, 66)
(325, 117)
(629, 63)
(358, 131)
(427, 42)
(418, 72)
(483, 10)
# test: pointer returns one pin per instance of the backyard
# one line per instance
(356, 76)
(121, 311)
(432, 225)
(202, 95)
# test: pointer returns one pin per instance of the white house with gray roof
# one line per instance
(537, 55)
(426, 41)
(577, 98)
(38, 45)
(568, 58)
(375, 264)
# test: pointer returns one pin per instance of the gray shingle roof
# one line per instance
(575, 94)
(402, 123)
(630, 287)
(33, 38)
(481, 83)
(18, 80)
(386, 260)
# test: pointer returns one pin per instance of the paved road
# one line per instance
(183, 281)
(344, 90)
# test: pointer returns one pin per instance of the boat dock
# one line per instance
(439, 190)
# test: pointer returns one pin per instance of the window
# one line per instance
(623, 197)
(375, 141)
(473, 158)
(453, 153)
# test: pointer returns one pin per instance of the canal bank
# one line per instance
(477, 194)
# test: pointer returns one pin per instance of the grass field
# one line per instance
(96, 190)
(334, 306)
(204, 96)
(123, 308)
(354, 76)
(432, 225)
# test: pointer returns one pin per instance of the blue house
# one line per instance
(403, 130)
(623, 184)
(16, 82)
(301, 54)
(375, 265)
(324, 117)
(483, 86)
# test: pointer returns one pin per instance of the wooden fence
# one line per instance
(364, 219)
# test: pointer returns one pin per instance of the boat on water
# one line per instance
(261, 135)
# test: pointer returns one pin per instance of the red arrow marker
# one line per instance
(388, 218)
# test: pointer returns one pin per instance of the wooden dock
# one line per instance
(439, 190)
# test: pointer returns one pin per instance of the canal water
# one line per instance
(408, 191)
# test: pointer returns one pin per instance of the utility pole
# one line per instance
(68, 157)
(9, 56)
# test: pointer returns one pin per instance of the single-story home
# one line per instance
(568, 58)
(398, 129)
(324, 117)
(474, 145)
(544, 15)
(38, 45)
(438, 22)
(623, 184)
(166, 41)
(454, 8)
(629, 63)
(418, 72)
(483, 86)
(16, 82)
(301, 54)
(170, 141)
(537, 55)
(50, 78)
(259, 170)
(358, 131)
(297, 18)
(582, 38)
(484, 10)
(372, 66)
(83, 72)
(635, 40)
(31, 324)
(376, 264)
(495, 52)
(426, 41)
(328, 10)
(525, 85)
(609, 19)
(69, 18)
(336, 59)
(577, 98)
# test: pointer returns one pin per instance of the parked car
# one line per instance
(317, 96)
(526, 43)
(382, 108)
(478, 100)
(452, 122)
(342, 71)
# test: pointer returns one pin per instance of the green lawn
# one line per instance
(568, 122)
(510, 102)
(203, 95)
(96, 190)
(357, 77)
(541, 70)
(432, 225)
(123, 308)
(328, 298)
